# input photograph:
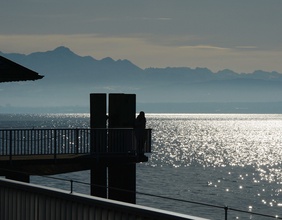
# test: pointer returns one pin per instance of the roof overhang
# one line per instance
(11, 71)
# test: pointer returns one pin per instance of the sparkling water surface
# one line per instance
(219, 159)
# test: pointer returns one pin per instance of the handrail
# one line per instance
(51, 203)
(225, 209)
(24, 142)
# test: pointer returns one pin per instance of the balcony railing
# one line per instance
(73, 141)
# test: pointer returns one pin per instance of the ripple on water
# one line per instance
(245, 151)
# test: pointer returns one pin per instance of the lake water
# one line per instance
(229, 160)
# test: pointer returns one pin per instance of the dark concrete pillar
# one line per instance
(98, 180)
(98, 122)
(98, 107)
(122, 110)
(122, 182)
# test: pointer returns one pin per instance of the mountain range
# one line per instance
(70, 78)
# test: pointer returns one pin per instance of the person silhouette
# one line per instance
(140, 134)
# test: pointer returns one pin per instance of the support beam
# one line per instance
(120, 178)
(98, 119)
(122, 182)
(122, 110)
(98, 180)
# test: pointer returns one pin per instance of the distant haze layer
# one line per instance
(70, 78)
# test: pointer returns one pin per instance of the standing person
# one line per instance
(140, 125)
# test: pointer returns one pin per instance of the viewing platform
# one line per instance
(55, 143)
(55, 151)
(21, 149)
(110, 148)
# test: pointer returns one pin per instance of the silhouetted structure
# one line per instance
(108, 148)
(122, 175)
(11, 71)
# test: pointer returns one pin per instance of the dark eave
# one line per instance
(11, 72)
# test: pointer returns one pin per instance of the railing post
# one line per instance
(55, 143)
(76, 140)
(71, 182)
(10, 156)
(2, 137)
(226, 211)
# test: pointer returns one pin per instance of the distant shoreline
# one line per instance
(193, 107)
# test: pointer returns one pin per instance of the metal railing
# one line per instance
(33, 202)
(23, 142)
(227, 211)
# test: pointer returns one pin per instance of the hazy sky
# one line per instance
(242, 35)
